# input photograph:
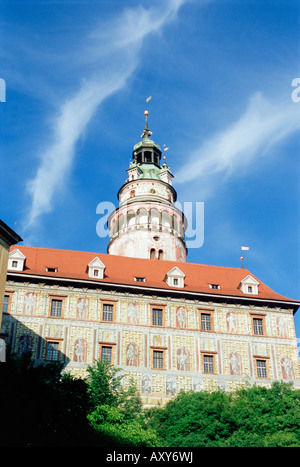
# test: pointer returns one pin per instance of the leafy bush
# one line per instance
(252, 417)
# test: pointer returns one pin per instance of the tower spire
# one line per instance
(147, 223)
(146, 133)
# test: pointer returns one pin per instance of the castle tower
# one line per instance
(147, 224)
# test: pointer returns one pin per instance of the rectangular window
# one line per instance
(157, 316)
(52, 352)
(261, 368)
(139, 279)
(158, 359)
(14, 264)
(205, 321)
(208, 364)
(106, 354)
(5, 303)
(108, 312)
(56, 308)
(51, 269)
(258, 328)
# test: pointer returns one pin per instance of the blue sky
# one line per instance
(220, 74)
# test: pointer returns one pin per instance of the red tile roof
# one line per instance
(123, 270)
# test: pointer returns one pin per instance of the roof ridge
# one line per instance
(131, 258)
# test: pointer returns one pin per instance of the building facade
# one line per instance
(169, 324)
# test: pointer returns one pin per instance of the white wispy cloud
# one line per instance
(110, 55)
(264, 123)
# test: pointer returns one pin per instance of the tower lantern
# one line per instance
(147, 223)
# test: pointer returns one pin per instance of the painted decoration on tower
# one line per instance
(180, 256)
(29, 303)
(80, 350)
(82, 308)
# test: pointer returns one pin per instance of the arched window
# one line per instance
(165, 219)
(152, 253)
(131, 218)
(154, 216)
(142, 217)
(113, 227)
(121, 221)
(176, 224)
(160, 254)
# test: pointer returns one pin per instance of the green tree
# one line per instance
(117, 412)
(104, 384)
(119, 430)
(252, 417)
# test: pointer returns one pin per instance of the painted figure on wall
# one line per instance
(132, 354)
(181, 317)
(29, 303)
(235, 364)
(133, 313)
(25, 344)
(182, 359)
(80, 350)
(146, 384)
(82, 310)
(281, 327)
(171, 386)
(231, 319)
(287, 368)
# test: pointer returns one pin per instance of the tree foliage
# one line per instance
(43, 406)
(252, 417)
(117, 414)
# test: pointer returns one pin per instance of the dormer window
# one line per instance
(249, 286)
(175, 278)
(16, 260)
(214, 286)
(51, 269)
(96, 268)
(140, 279)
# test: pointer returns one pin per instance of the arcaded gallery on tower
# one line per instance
(169, 324)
